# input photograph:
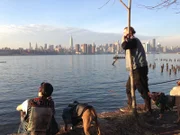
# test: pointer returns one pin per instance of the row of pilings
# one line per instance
(153, 66)
(170, 60)
(170, 68)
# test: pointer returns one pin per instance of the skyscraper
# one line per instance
(51, 47)
(117, 46)
(84, 48)
(154, 45)
(77, 48)
(71, 43)
(36, 47)
(93, 48)
(146, 47)
(45, 46)
(113, 48)
(89, 49)
(30, 47)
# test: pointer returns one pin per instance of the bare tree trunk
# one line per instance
(128, 52)
(130, 63)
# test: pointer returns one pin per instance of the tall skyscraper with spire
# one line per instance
(71, 43)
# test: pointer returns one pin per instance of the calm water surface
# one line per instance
(86, 78)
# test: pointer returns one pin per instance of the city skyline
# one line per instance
(62, 37)
(86, 49)
(52, 22)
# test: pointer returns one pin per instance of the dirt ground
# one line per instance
(124, 123)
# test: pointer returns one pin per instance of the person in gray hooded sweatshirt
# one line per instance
(140, 68)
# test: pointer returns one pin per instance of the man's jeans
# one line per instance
(140, 78)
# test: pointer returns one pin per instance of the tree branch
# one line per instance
(163, 4)
(104, 4)
(124, 4)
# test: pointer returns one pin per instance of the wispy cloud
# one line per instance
(16, 36)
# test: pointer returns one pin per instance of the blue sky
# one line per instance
(85, 14)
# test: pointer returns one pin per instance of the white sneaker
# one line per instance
(125, 109)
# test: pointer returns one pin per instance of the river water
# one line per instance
(85, 78)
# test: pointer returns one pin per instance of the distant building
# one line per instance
(159, 48)
(120, 47)
(51, 47)
(93, 48)
(84, 48)
(36, 47)
(71, 43)
(41, 48)
(58, 48)
(45, 46)
(77, 48)
(165, 49)
(144, 46)
(158, 45)
(89, 49)
(30, 47)
(105, 48)
(147, 47)
(154, 45)
(117, 47)
(113, 48)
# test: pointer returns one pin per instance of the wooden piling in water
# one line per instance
(175, 71)
(171, 66)
(162, 69)
(169, 71)
(167, 66)
(150, 65)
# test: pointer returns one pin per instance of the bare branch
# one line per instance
(176, 7)
(124, 4)
(104, 4)
(169, 3)
(163, 4)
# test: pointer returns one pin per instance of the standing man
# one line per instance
(140, 68)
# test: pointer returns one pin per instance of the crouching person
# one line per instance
(175, 90)
(37, 114)
(166, 102)
(77, 112)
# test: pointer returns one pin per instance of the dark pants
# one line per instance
(23, 127)
(141, 83)
(23, 124)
